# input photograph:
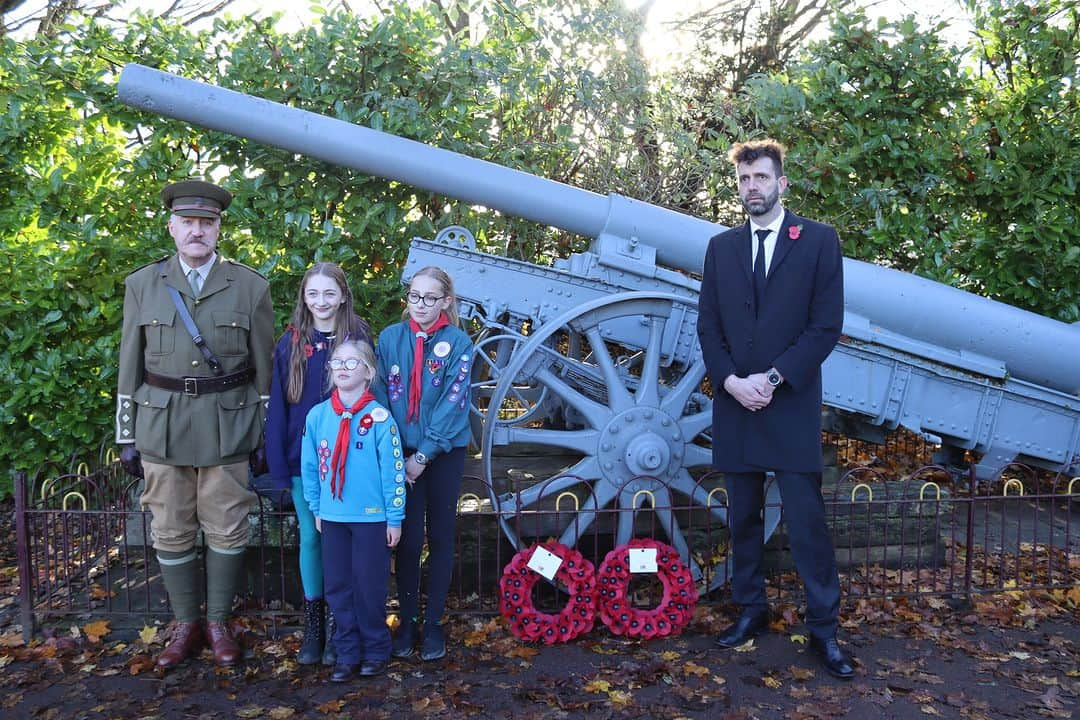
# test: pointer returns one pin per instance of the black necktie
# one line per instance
(759, 269)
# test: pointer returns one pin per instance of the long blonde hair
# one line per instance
(443, 278)
(302, 326)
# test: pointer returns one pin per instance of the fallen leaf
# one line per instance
(929, 710)
(99, 593)
(747, 646)
(619, 698)
(690, 668)
(281, 713)
(524, 651)
(800, 673)
(251, 711)
(598, 686)
(148, 634)
(771, 682)
(12, 640)
(801, 639)
(670, 655)
(331, 706)
(96, 630)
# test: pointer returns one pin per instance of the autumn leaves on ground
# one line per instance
(1008, 655)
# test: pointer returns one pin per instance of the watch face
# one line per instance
(773, 378)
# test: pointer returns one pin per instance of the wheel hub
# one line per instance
(639, 442)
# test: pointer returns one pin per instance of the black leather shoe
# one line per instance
(745, 628)
(371, 668)
(835, 661)
(343, 672)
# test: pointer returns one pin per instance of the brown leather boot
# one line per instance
(187, 640)
(226, 649)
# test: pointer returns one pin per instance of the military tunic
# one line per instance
(234, 313)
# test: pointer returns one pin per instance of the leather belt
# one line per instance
(195, 386)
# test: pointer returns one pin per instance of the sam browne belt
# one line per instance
(195, 386)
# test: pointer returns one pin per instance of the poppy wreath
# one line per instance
(576, 574)
(675, 608)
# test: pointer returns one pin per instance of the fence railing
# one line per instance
(84, 542)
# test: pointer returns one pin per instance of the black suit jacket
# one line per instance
(795, 329)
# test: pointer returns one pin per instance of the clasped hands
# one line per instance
(753, 392)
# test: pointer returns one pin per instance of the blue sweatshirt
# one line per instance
(285, 420)
(444, 394)
(374, 466)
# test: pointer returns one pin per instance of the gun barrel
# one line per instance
(388, 156)
(1031, 347)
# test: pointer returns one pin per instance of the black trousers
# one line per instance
(811, 544)
(431, 505)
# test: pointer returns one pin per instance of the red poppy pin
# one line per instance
(308, 350)
(794, 232)
(366, 421)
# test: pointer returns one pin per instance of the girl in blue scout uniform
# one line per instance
(323, 317)
(354, 484)
(424, 362)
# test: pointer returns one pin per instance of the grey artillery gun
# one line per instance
(597, 355)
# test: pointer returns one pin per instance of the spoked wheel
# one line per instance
(635, 420)
(524, 402)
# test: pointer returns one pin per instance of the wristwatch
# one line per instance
(420, 457)
(774, 377)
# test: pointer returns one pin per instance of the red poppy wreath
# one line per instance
(675, 608)
(576, 576)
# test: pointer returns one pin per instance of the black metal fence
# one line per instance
(84, 548)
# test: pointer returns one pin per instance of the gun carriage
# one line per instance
(597, 355)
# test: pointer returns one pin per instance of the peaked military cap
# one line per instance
(195, 198)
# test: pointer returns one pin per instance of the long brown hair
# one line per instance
(443, 278)
(303, 325)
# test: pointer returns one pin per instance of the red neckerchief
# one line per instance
(416, 380)
(341, 445)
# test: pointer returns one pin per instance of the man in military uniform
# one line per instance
(189, 414)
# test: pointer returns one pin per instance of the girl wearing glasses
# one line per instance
(354, 484)
(424, 361)
(322, 319)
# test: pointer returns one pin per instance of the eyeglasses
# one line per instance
(347, 363)
(414, 298)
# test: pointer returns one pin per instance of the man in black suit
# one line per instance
(771, 311)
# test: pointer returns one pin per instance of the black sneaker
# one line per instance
(404, 640)
(434, 646)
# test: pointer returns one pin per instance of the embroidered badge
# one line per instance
(379, 414)
(436, 381)
(394, 385)
(398, 502)
(433, 365)
(324, 455)
(359, 444)
(400, 490)
(398, 465)
(441, 349)
(399, 478)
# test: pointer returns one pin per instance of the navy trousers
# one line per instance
(811, 545)
(432, 503)
(356, 572)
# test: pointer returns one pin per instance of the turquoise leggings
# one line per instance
(311, 574)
